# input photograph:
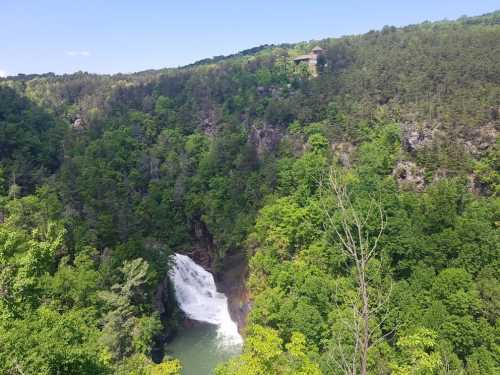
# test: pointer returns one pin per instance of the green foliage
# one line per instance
(171, 367)
(301, 281)
(48, 342)
(378, 156)
(264, 354)
(418, 350)
(30, 141)
(139, 364)
(487, 168)
(51, 315)
(229, 155)
(74, 285)
(126, 330)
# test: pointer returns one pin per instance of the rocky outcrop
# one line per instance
(494, 113)
(475, 186)
(265, 138)
(161, 297)
(479, 140)
(415, 137)
(164, 303)
(202, 251)
(409, 176)
(344, 151)
(202, 257)
(476, 141)
(231, 280)
(78, 124)
(209, 120)
(277, 92)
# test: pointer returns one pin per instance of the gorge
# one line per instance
(149, 220)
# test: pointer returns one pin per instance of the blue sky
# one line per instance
(109, 36)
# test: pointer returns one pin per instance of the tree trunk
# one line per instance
(365, 316)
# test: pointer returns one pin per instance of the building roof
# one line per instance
(317, 49)
(303, 57)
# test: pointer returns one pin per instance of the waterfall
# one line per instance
(197, 296)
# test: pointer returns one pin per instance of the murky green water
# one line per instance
(198, 349)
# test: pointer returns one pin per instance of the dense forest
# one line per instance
(364, 197)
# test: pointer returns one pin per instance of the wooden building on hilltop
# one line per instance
(311, 59)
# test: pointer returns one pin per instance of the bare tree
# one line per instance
(359, 232)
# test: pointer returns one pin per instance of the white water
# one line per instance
(197, 296)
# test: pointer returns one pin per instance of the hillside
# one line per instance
(102, 177)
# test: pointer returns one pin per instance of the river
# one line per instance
(213, 340)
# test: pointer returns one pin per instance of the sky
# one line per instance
(111, 36)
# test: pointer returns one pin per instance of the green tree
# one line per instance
(125, 329)
(418, 353)
(263, 354)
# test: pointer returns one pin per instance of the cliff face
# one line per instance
(232, 282)
(265, 138)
